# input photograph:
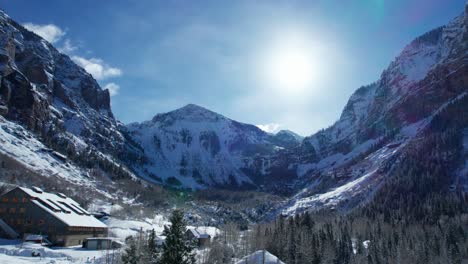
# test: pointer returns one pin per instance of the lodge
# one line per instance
(60, 219)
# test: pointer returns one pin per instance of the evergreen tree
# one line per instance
(151, 248)
(130, 254)
(177, 249)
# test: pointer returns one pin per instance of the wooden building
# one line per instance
(201, 238)
(60, 218)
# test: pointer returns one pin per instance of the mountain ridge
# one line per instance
(65, 109)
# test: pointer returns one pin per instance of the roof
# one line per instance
(63, 208)
(198, 232)
(260, 257)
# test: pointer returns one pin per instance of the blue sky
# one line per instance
(157, 56)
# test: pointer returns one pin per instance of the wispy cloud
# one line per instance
(68, 47)
(94, 66)
(49, 32)
(97, 67)
(270, 128)
(113, 88)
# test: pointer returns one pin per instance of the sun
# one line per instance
(290, 65)
(291, 68)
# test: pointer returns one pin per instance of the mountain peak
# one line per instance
(193, 107)
(290, 133)
(191, 112)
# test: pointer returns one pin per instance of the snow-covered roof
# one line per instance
(260, 257)
(198, 234)
(203, 231)
(63, 208)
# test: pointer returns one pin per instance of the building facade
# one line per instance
(60, 218)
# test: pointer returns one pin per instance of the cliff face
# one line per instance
(47, 92)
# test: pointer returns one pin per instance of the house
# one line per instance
(202, 238)
(62, 220)
(98, 243)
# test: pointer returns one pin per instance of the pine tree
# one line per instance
(152, 253)
(130, 255)
(177, 249)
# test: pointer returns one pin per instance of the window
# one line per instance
(41, 222)
(22, 210)
(12, 210)
(19, 221)
(5, 199)
(28, 222)
(25, 200)
(3, 210)
(14, 200)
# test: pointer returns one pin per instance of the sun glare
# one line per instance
(289, 65)
(291, 69)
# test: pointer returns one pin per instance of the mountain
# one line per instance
(55, 120)
(384, 122)
(287, 139)
(195, 147)
(403, 134)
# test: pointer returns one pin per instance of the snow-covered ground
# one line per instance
(123, 228)
(14, 251)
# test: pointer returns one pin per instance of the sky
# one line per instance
(277, 64)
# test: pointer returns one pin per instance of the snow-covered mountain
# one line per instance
(46, 91)
(195, 147)
(353, 158)
(55, 119)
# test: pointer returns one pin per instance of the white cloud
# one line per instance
(68, 47)
(270, 128)
(113, 88)
(49, 32)
(97, 67)
(94, 66)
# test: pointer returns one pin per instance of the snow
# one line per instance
(64, 214)
(204, 231)
(260, 257)
(195, 139)
(14, 251)
(336, 159)
(363, 178)
(122, 228)
(24, 147)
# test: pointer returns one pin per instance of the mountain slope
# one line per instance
(195, 147)
(56, 122)
(380, 123)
